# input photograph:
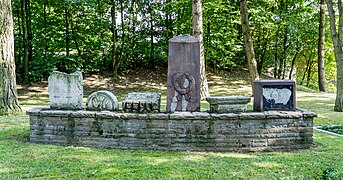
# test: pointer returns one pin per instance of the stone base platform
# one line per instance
(181, 131)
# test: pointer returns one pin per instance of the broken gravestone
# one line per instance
(274, 95)
(102, 100)
(183, 91)
(65, 90)
(137, 102)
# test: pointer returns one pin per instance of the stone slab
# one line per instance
(147, 102)
(183, 90)
(65, 90)
(228, 104)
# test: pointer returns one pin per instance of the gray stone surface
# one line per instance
(183, 91)
(180, 131)
(102, 100)
(147, 102)
(227, 104)
(65, 90)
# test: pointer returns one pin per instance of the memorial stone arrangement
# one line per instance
(276, 124)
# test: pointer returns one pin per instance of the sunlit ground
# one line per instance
(220, 84)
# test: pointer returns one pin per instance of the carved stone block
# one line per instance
(102, 100)
(65, 90)
(183, 91)
(274, 95)
(142, 102)
(228, 104)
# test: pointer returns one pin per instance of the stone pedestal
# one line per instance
(65, 90)
(228, 104)
(183, 91)
(274, 95)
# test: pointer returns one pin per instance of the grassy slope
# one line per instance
(19, 159)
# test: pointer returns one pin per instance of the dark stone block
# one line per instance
(274, 95)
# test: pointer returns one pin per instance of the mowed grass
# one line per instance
(22, 160)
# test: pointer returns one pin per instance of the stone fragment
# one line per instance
(274, 95)
(147, 102)
(183, 91)
(102, 100)
(65, 90)
(228, 104)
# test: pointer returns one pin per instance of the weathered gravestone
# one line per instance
(274, 95)
(65, 90)
(102, 100)
(147, 102)
(183, 91)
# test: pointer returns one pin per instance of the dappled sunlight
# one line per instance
(111, 170)
(234, 155)
(267, 164)
(156, 160)
(195, 157)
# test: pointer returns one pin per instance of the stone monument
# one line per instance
(183, 91)
(65, 90)
(274, 95)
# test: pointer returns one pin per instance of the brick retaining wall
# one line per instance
(197, 131)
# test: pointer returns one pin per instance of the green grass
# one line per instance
(22, 160)
(19, 159)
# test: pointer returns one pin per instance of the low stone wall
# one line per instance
(197, 131)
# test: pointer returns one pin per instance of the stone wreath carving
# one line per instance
(180, 89)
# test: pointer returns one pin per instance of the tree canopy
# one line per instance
(117, 35)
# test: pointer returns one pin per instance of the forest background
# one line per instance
(118, 36)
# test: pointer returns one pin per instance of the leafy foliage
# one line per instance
(74, 35)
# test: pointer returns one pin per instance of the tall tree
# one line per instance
(25, 40)
(337, 38)
(249, 47)
(8, 93)
(321, 41)
(198, 33)
(114, 39)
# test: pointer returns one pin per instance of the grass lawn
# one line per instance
(21, 160)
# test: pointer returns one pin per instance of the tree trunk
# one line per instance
(293, 60)
(8, 92)
(29, 32)
(337, 38)
(198, 33)
(73, 32)
(249, 47)
(66, 16)
(25, 42)
(321, 46)
(152, 61)
(46, 47)
(114, 39)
